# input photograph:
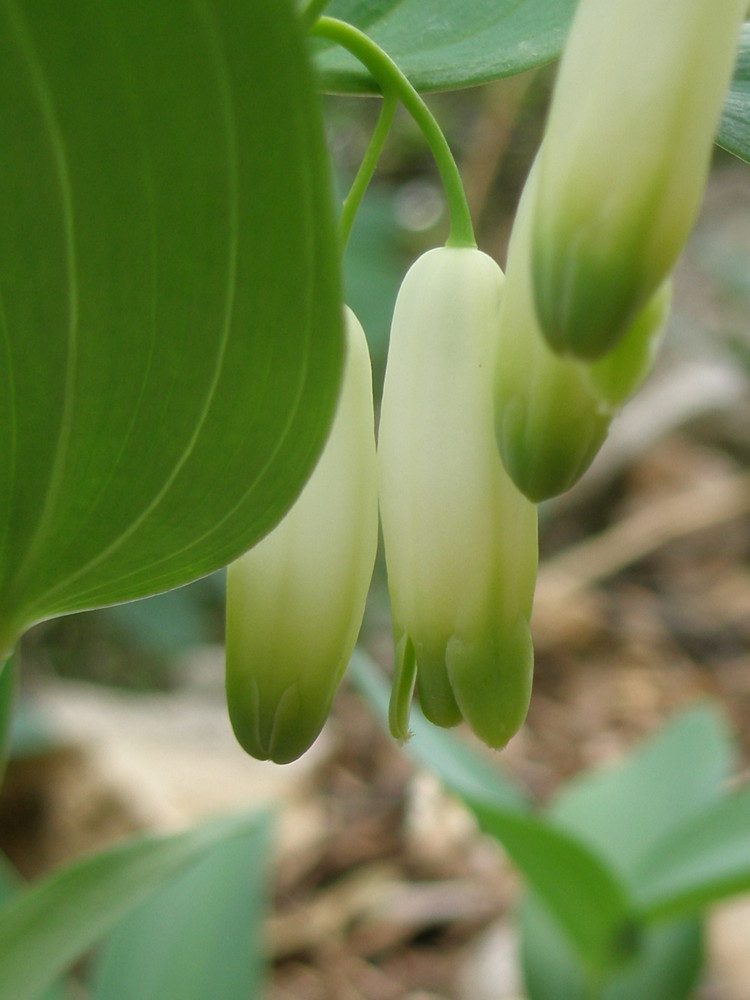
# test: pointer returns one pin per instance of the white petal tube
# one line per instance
(460, 540)
(295, 601)
(624, 159)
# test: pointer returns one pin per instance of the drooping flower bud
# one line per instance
(616, 376)
(295, 601)
(460, 540)
(624, 159)
(552, 413)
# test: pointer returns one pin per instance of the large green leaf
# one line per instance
(170, 330)
(666, 964)
(734, 131)
(198, 937)
(623, 811)
(446, 44)
(701, 862)
(577, 886)
(49, 925)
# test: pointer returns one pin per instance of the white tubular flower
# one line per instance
(295, 601)
(625, 158)
(460, 540)
(552, 413)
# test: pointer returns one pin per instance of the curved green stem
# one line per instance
(366, 167)
(311, 12)
(392, 80)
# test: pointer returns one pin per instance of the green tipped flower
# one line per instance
(617, 375)
(460, 540)
(624, 159)
(295, 601)
(552, 413)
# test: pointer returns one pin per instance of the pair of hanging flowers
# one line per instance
(498, 393)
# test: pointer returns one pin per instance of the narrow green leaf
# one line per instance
(50, 924)
(622, 812)
(705, 860)
(170, 328)
(734, 130)
(446, 44)
(198, 937)
(666, 965)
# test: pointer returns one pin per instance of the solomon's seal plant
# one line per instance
(497, 395)
(171, 359)
(482, 415)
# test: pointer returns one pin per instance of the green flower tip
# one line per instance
(549, 423)
(553, 412)
(616, 376)
(546, 461)
(484, 681)
(583, 305)
(402, 690)
(489, 671)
